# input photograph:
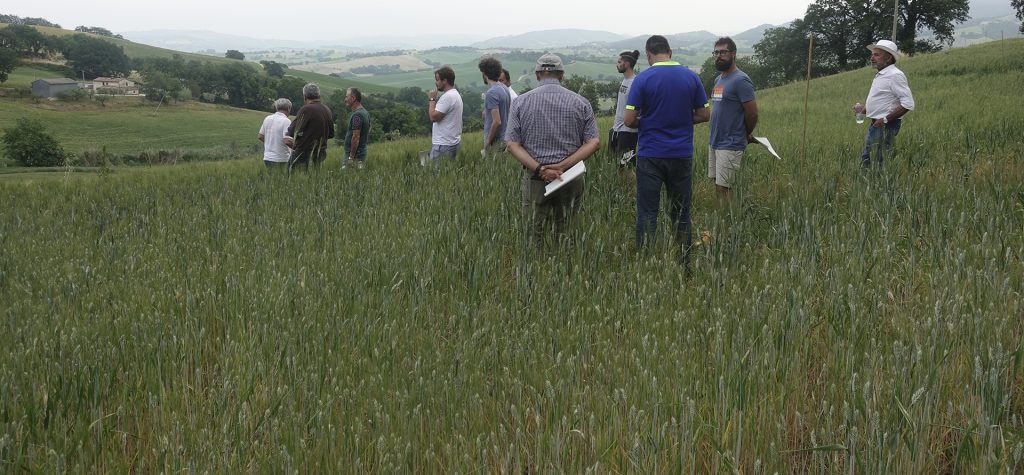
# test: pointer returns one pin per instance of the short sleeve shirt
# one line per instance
(359, 120)
(666, 95)
(497, 97)
(273, 130)
(448, 131)
(728, 124)
(620, 106)
(551, 122)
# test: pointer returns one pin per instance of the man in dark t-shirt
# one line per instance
(358, 133)
(312, 128)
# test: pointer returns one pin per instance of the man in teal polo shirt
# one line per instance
(664, 102)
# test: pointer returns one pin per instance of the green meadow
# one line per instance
(209, 317)
(133, 124)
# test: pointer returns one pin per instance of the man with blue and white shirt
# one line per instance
(888, 101)
(733, 118)
(665, 101)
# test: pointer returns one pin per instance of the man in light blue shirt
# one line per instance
(496, 103)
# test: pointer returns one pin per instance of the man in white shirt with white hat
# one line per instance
(888, 100)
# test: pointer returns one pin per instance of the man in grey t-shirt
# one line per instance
(496, 103)
(733, 118)
(622, 139)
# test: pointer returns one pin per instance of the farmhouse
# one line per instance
(105, 85)
(52, 87)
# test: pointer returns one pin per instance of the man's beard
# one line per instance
(620, 70)
(722, 65)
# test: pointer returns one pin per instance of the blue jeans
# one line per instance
(878, 143)
(438, 152)
(676, 174)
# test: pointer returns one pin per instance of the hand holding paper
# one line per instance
(764, 141)
(567, 176)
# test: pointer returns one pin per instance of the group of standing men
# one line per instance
(550, 129)
(295, 144)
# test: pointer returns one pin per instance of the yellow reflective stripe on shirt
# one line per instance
(667, 63)
(630, 108)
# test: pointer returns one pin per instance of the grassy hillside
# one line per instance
(138, 50)
(333, 83)
(23, 76)
(134, 50)
(133, 125)
(212, 318)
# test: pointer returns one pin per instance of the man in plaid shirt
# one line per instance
(550, 129)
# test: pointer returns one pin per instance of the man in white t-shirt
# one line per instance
(272, 133)
(446, 114)
(504, 79)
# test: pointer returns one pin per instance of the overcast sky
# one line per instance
(316, 20)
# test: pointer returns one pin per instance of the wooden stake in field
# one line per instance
(807, 94)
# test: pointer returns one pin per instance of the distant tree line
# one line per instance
(395, 52)
(842, 29)
(96, 30)
(377, 69)
(16, 20)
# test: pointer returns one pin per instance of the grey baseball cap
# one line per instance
(549, 62)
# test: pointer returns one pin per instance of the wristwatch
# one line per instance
(431, 99)
(885, 119)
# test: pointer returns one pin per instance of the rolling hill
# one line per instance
(539, 40)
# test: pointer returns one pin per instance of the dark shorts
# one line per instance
(622, 146)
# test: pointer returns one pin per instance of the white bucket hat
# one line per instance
(887, 46)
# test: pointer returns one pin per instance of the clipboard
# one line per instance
(569, 175)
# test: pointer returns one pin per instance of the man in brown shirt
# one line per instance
(312, 128)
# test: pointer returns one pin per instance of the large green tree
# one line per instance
(27, 41)
(1019, 6)
(28, 143)
(842, 28)
(273, 68)
(782, 53)
(939, 16)
(8, 61)
(95, 57)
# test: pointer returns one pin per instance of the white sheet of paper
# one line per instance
(569, 175)
(764, 141)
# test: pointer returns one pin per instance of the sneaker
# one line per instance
(360, 165)
(345, 163)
